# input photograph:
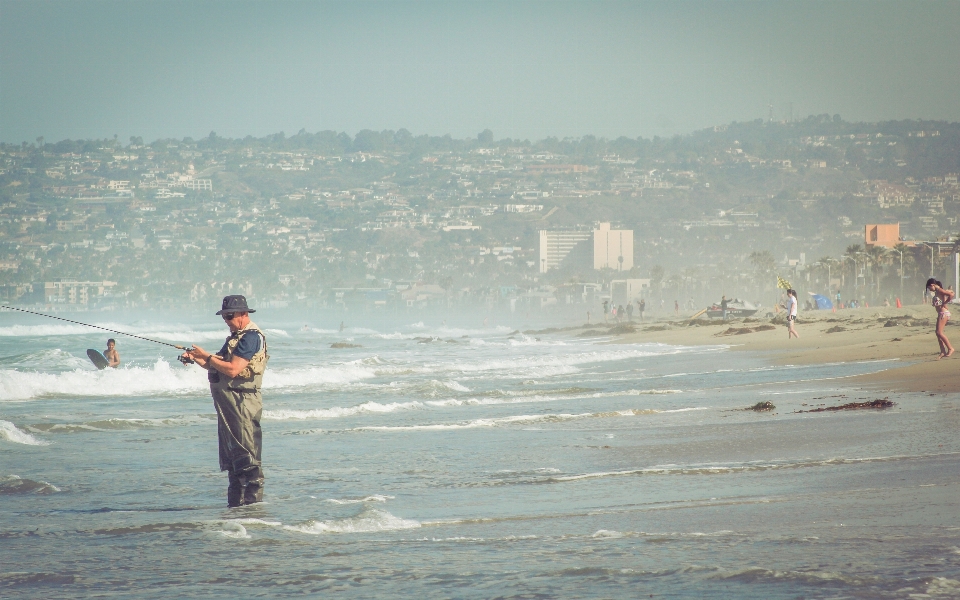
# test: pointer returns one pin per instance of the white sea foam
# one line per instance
(338, 412)
(636, 393)
(364, 331)
(548, 365)
(510, 399)
(234, 530)
(373, 498)
(512, 420)
(335, 374)
(119, 424)
(369, 521)
(161, 378)
(9, 432)
(396, 335)
(49, 359)
(459, 332)
(14, 484)
(605, 533)
(453, 385)
(251, 521)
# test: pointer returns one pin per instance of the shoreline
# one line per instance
(903, 334)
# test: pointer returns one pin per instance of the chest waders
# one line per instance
(239, 408)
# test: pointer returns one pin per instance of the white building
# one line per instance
(556, 245)
(612, 248)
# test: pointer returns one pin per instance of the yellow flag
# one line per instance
(783, 283)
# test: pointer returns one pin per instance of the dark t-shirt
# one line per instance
(248, 346)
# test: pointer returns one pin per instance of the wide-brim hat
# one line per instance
(234, 304)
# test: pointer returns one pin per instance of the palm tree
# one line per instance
(876, 256)
(764, 265)
(656, 279)
(906, 260)
(828, 263)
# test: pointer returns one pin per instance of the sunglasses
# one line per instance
(228, 316)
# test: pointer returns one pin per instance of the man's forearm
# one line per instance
(230, 369)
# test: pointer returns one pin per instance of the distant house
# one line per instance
(886, 235)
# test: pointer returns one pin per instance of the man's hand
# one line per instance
(206, 359)
(195, 354)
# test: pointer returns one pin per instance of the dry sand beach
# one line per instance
(903, 334)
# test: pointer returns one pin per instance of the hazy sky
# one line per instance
(81, 69)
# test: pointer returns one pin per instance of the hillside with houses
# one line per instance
(394, 219)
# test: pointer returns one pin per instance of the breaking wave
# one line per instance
(728, 469)
(337, 412)
(161, 378)
(55, 359)
(514, 420)
(9, 432)
(11, 484)
(118, 424)
(373, 498)
(369, 521)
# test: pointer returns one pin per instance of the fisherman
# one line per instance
(236, 375)
(111, 354)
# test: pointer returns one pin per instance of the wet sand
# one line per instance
(903, 334)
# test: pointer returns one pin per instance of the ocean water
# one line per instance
(466, 461)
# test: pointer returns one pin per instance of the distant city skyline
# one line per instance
(526, 70)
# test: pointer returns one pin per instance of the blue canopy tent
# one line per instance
(821, 302)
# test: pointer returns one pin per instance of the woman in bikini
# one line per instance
(941, 297)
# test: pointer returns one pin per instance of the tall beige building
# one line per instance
(556, 245)
(612, 248)
(609, 245)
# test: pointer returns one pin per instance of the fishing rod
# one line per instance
(95, 327)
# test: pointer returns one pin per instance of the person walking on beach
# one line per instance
(940, 297)
(723, 306)
(791, 308)
(642, 307)
(235, 374)
(630, 312)
(606, 310)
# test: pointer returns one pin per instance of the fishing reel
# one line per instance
(186, 360)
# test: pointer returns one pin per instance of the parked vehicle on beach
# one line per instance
(736, 308)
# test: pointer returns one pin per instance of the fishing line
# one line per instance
(95, 327)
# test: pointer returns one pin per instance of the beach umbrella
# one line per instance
(822, 302)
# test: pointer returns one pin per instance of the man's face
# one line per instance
(110, 345)
(235, 321)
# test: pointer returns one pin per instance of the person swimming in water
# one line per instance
(111, 354)
(940, 298)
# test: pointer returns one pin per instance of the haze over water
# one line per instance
(451, 459)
